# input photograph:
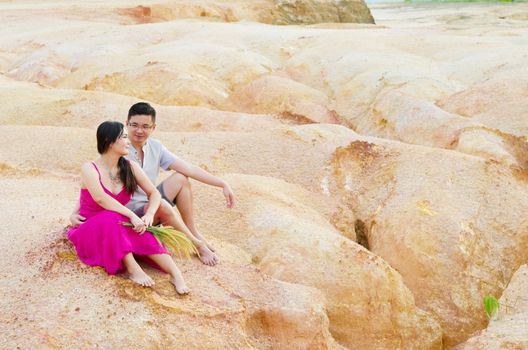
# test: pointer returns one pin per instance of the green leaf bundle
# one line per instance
(172, 239)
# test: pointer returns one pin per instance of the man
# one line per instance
(150, 154)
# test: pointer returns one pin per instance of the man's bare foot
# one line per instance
(203, 241)
(211, 248)
(179, 284)
(207, 256)
(141, 278)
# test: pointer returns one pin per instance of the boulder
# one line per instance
(447, 222)
(320, 11)
(282, 12)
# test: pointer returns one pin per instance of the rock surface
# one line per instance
(282, 12)
(439, 218)
(506, 330)
(288, 238)
(380, 170)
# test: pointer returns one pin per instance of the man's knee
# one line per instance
(165, 210)
(182, 180)
(176, 181)
(173, 186)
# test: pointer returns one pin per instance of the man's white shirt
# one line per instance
(155, 156)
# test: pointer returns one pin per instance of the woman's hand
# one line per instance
(139, 225)
(148, 219)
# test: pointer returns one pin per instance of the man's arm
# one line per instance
(201, 175)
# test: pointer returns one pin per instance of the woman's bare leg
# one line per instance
(167, 264)
(135, 272)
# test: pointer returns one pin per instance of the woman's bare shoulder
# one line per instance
(88, 169)
(88, 166)
(135, 166)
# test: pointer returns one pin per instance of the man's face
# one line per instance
(139, 128)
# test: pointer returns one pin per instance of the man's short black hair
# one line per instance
(142, 108)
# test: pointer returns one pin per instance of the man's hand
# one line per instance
(76, 219)
(229, 196)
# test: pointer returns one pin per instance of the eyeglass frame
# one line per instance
(142, 127)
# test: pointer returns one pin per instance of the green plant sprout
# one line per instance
(491, 305)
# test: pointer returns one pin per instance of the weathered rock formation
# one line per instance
(507, 329)
(439, 217)
(280, 226)
(266, 11)
(380, 170)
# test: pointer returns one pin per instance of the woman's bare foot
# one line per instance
(207, 256)
(135, 272)
(167, 264)
(179, 284)
(141, 278)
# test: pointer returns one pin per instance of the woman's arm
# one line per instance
(90, 179)
(153, 195)
(75, 218)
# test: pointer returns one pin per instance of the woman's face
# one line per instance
(120, 146)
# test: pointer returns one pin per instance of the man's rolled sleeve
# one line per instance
(166, 158)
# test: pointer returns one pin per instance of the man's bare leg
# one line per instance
(168, 265)
(177, 186)
(135, 272)
(184, 202)
(167, 216)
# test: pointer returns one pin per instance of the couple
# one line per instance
(116, 189)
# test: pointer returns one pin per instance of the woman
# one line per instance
(107, 185)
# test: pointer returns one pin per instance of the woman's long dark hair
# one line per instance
(107, 134)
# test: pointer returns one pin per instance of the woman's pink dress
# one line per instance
(102, 241)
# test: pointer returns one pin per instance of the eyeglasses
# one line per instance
(145, 127)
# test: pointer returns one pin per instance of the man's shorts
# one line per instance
(140, 208)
